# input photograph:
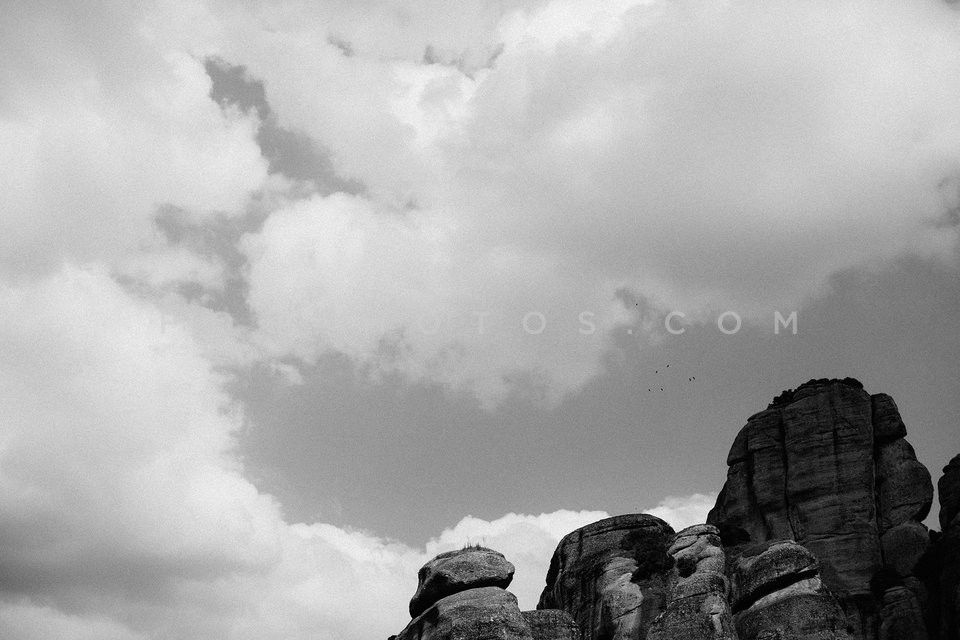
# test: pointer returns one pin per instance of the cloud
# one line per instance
(398, 293)
(126, 511)
(27, 621)
(527, 541)
(548, 158)
(111, 419)
(727, 154)
(684, 511)
(704, 157)
(106, 116)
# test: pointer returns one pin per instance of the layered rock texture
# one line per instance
(816, 535)
(485, 613)
(457, 571)
(612, 576)
(698, 606)
(827, 465)
(551, 624)
(778, 593)
(461, 595)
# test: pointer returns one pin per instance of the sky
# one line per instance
(295, 295)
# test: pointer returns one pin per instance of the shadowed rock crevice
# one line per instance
(948, 550)
(778, 584)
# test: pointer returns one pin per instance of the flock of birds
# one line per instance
(656, 371)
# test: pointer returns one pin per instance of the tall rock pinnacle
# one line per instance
(827, 465)
(817, 534)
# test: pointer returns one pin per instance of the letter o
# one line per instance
(542, 320)
(730, 314)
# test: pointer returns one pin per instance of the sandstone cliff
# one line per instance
(461, 595)
(827, 465)
(817, 534)
(612, 575)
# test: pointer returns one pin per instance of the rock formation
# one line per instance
(949, 585)
(827, 465)
(457, 571)
(461, 595)
(485, 613)
(628, 578)
(901, 616)
(778, 593)
(816, 535)
(551, 624)
(612, 576)
(698, 608)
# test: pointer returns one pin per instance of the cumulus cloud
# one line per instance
(544, 160)
(126, 512)
(403, 293)
(105, 116)
(117, 439)
(732, 154)
(684, 511)
(705, 157)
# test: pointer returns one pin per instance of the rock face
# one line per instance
(457, 571)
(486, 613)
(778, 593)
(949, 489)
(551, 624)
(949, 584)
(461, 596)
(827, 465)
(816, 535)
(901, 615)
(612, 576)
(698, 608)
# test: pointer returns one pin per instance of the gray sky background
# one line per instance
(265, 269)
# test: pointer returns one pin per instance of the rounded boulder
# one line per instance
(456, 571)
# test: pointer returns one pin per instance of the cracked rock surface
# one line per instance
(612, 576)
(827, 465)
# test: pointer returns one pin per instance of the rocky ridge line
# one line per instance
(816, 535)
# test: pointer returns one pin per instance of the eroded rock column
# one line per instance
(827, 465)
(698, 608)
(612, 576)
